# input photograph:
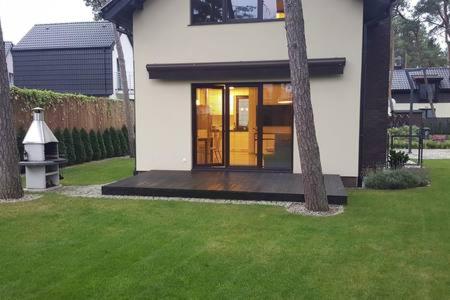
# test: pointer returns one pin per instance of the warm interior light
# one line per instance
(284, 101)
(197, 102)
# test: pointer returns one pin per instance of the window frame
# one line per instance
(227, 20)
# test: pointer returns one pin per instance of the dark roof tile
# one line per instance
(68, 36)
(400, 79)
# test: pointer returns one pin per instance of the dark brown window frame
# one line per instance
(226, 159)
(227, 20)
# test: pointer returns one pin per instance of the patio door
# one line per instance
(209, 126)
(242, 126)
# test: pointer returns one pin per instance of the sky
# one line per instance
(18, 16)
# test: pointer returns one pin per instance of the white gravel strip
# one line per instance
(300, 209)
(25, 198)
(95, 191)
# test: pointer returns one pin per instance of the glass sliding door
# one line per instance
(277, 127)
(209, 133)
(243, 126)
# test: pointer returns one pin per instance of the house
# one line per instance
(438, 80)
(212, 83)
(72, 57)
(9, 62)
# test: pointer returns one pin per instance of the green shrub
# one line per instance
(108, 143)
(61, 145)
(44, 98)
(115, 142)
(87, 144)
(403, 130)
(78, 145)
(123, 142)
(70, 149)
(125, 132)
(96, 152)
(101, 145)
(397, 179)
(397, 159)
(20, 136)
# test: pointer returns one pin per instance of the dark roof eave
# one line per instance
(120, 12)
(242, 70)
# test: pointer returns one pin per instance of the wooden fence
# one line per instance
(97, 114)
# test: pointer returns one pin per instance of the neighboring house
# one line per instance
(9, 62)
(438, 83)
(72, 57)
(213, 84)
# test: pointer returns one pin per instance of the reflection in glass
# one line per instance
(277, 126)
(243, 9)
(273, 9)
(207, 11)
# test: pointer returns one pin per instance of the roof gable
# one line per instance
(68, 36)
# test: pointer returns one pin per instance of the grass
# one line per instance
(388, 244)
(98, 172)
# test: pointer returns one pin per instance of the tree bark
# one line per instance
(10, 184)
(129, 116)
(313, 181)
(391, 67)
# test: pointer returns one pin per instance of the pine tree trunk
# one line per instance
(10, 185)
(129, 116)
(313, 181)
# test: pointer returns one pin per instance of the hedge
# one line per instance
(78, 146)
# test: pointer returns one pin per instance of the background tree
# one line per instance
(313, 181)
(61, 145)
(109, 150)
(96, 152)
(70, 150)
(115, 142)
(10, 184)
(87, 144)
(101, 145)
(436, 13)
(96, 6)
(414, 46)
(78, 145)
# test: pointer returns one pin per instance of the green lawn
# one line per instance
(98, 172)
(387, 245)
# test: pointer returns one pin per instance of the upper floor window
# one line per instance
(232, 11)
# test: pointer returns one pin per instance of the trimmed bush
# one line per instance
(61, 145)
(87, 144)
(115, 142)
(20, 147)
(123, 142)
(96, 152)
(70, 149)
(397, 179)
(101, 145)
(108, 143)
(78, 145)
(397, 159)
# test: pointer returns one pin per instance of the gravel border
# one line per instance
(300, 209)
(95, 191)
(25, 198)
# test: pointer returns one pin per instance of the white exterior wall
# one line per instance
(129, 64)
(442, 109)
(163, 108)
